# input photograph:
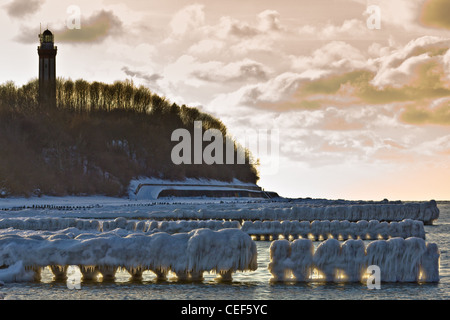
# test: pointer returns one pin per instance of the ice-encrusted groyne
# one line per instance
(281, 209)
(101, 225)
(342, 230)
(399, 260)
(426, 212)
(188, 255)
(260, 230)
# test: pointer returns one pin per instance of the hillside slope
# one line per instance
(99, 137)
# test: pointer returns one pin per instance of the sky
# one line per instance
(354, 94)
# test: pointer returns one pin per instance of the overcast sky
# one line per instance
(362, 113)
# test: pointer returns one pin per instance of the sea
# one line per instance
(255, 285)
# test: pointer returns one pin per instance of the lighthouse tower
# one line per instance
(47, 70)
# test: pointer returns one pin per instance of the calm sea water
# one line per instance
(245, 285)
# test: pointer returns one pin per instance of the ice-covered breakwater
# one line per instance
(426, 212)
(188, 255)
(399, 260)
(260, 230)
(101, 225)
(342, 230)
(239, 210)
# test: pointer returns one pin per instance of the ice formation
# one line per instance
(58, 223)
(336, 229)
(16, 272)
(231, 209)
(186, 254)
(144, 238)
(50, 223)
(427, 212)
(400, 260)
(318, 229)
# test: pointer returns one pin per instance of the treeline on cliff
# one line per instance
(99, 137)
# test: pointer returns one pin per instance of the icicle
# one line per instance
(411, 259)
(225, 275)
(88, 272)
(183, 275)
(59, 272)
(107, 272)
(430, 263)
(161, 274)
(353, 259)
(280, 263)
(196, 275)
(327, 258)
(302, 251)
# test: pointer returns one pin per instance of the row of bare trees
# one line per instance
(81, 96)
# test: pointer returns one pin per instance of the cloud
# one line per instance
(278, 91)
(411, 77)
(94, 29)
(268, 21)
(22, 8)
(436, 13)
(426, 83)
(274, 91)
(151, 78)
(188, 19)
(308, 90)
(207, 47)
(402, 61)
(190, 71)
(356, 135)
(439, 146)
(240, 71)
(227, 36)
(421, 113)
(335, 55)
(236, 28)
(349, 29)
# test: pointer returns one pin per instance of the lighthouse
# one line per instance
(47, 70)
